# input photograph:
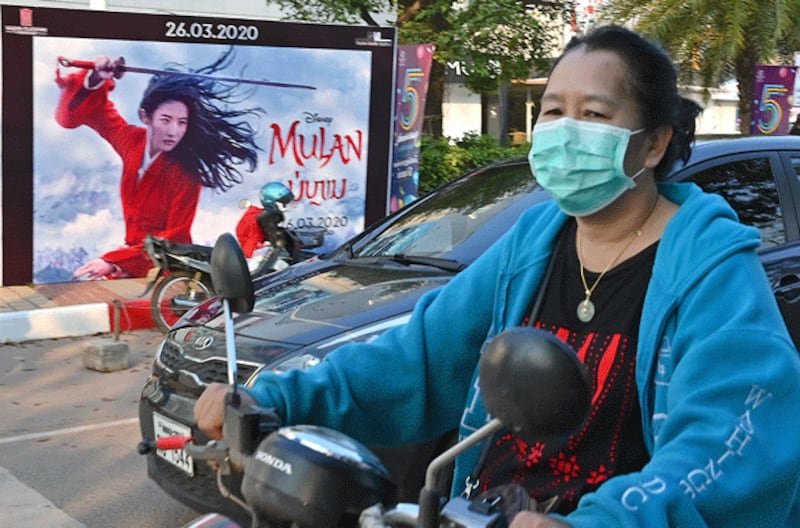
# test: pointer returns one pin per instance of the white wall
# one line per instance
(461, 111)
(720, 108)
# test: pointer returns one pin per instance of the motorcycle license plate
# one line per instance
(163, 426)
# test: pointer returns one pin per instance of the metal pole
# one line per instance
(117, 305)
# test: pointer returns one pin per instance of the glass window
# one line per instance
(749, 186)
(796, 164)
(456, 212)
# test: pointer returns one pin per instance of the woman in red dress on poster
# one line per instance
(190, 139)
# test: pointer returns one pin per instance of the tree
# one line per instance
(715, 41)
(497, 41)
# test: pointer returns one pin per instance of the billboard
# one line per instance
(84, 157)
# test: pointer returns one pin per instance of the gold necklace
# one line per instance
(586, 308)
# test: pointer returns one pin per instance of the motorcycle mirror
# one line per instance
(534, 383)
(244, 203)
(230, 275)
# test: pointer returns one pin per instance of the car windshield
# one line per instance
(439, 224)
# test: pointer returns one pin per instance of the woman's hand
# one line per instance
(209, 411)
(536, 520)
(104, 68)
(95, 269)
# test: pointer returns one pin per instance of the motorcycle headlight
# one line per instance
(311, 355)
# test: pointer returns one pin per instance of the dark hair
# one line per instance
(219, 137)
(654, 82)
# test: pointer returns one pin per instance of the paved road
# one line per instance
(68, 439)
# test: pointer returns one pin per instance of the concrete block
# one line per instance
(106, 355)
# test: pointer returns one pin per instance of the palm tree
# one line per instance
(713, 41)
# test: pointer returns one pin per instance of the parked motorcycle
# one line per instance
(183, 277)
(311, 477)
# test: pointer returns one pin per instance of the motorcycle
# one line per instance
(309, 477)
(183, 277)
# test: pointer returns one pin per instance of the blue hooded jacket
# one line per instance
(718, 376)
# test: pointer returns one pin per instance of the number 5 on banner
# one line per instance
(411, 96)
(770, 105)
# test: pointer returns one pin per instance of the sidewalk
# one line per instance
(48, 311)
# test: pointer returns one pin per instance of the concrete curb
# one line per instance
(50, 323)
(70, 309)
(75, 321)
(22, 506)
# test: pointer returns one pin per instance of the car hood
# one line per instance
(317, 301)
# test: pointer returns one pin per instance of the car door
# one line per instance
(762, 188)
(782, 262)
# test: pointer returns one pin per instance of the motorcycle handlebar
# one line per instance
(212, 450)
(166, 443)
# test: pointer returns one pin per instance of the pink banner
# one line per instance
(413, 71)
(771, 101)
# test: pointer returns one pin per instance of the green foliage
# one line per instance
(710, 36)
(497, 41)
(713, 41)
(443, 159)
(331, 11)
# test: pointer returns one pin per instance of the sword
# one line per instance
(122, 68)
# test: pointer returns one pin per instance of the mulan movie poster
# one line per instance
(119, 125)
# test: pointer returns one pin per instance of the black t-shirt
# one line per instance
(610, 442)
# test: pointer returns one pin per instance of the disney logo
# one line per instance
(316, 118)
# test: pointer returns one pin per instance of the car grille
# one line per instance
(209, 371)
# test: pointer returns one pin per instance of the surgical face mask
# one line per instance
(581, 163)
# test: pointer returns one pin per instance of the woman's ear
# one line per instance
(658, 142)
(144, 117)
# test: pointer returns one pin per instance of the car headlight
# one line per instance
(311, 355)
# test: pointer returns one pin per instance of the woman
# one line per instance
(656, 286)
(191, 138)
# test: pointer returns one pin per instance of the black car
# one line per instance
(372, 282)
(760, 177)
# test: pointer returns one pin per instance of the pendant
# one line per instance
(585, 310)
